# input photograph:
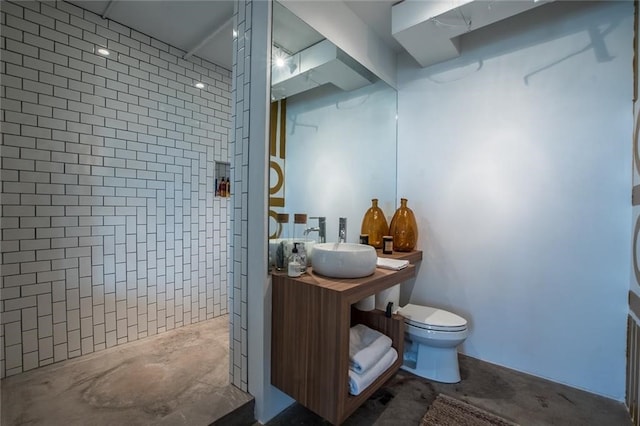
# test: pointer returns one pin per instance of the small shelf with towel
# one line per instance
(311, 318)
(392, 327)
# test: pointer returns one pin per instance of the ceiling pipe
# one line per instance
(108, 9)
(207, 39)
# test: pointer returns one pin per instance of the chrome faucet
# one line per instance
(342, 230)
(321, 229)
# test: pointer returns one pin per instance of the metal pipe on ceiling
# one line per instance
(207, 39)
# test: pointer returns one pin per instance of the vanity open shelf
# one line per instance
(311, 317)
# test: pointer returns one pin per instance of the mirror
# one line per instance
(333, 133)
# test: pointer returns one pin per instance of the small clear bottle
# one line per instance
(284, 233)
(300, 237)
(300, 225)
(294, 266)
(283, 226)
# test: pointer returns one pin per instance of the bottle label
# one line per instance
(294, 269)
(387, 245)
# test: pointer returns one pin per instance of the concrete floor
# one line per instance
(180, 377)
(525, 399)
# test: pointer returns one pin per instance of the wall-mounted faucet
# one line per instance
(321, 229)
(342, 230)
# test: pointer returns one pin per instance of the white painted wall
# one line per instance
(251, 304)
(341, 153)
(516, 159)
(634, 285)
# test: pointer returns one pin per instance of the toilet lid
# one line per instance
(432, 318)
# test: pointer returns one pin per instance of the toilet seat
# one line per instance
(429, 318)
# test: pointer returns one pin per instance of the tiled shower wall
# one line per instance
(110, 228)
(238, 368)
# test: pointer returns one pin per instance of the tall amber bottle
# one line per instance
(375, 224)
(404, 228)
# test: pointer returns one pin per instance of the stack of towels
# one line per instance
(370, 355)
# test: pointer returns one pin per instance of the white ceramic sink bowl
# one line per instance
(344, 260)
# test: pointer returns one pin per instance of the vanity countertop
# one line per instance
(354, 289)
(413, 256)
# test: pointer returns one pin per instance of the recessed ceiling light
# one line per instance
(103, 51)
(200, 85)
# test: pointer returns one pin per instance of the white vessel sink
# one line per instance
(344, 260)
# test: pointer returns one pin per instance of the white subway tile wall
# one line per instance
(238, 279)
(110, 228)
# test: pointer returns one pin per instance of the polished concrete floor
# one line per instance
(524, 399)
(180, 377)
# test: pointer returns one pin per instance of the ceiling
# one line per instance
(429, 31)
(185, 24)
(204, 28)
(286, 23)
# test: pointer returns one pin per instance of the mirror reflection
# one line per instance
(332, 141)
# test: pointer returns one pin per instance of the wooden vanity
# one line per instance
(311, 317)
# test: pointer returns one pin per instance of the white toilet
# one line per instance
(432, 338)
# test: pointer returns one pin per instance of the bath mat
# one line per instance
(447, 411)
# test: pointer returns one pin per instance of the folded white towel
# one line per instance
(395, 264)
(366, 347)
(359, 382)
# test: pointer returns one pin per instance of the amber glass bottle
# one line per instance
(223, 188)
(404, 228)
(375, 224)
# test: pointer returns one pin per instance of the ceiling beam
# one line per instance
(207, 39)
(108, 9)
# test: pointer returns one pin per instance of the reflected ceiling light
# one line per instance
(279, 57)
(102, 51)
(200, 85)
(235, 33)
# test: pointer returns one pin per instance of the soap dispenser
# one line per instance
(295, 263)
